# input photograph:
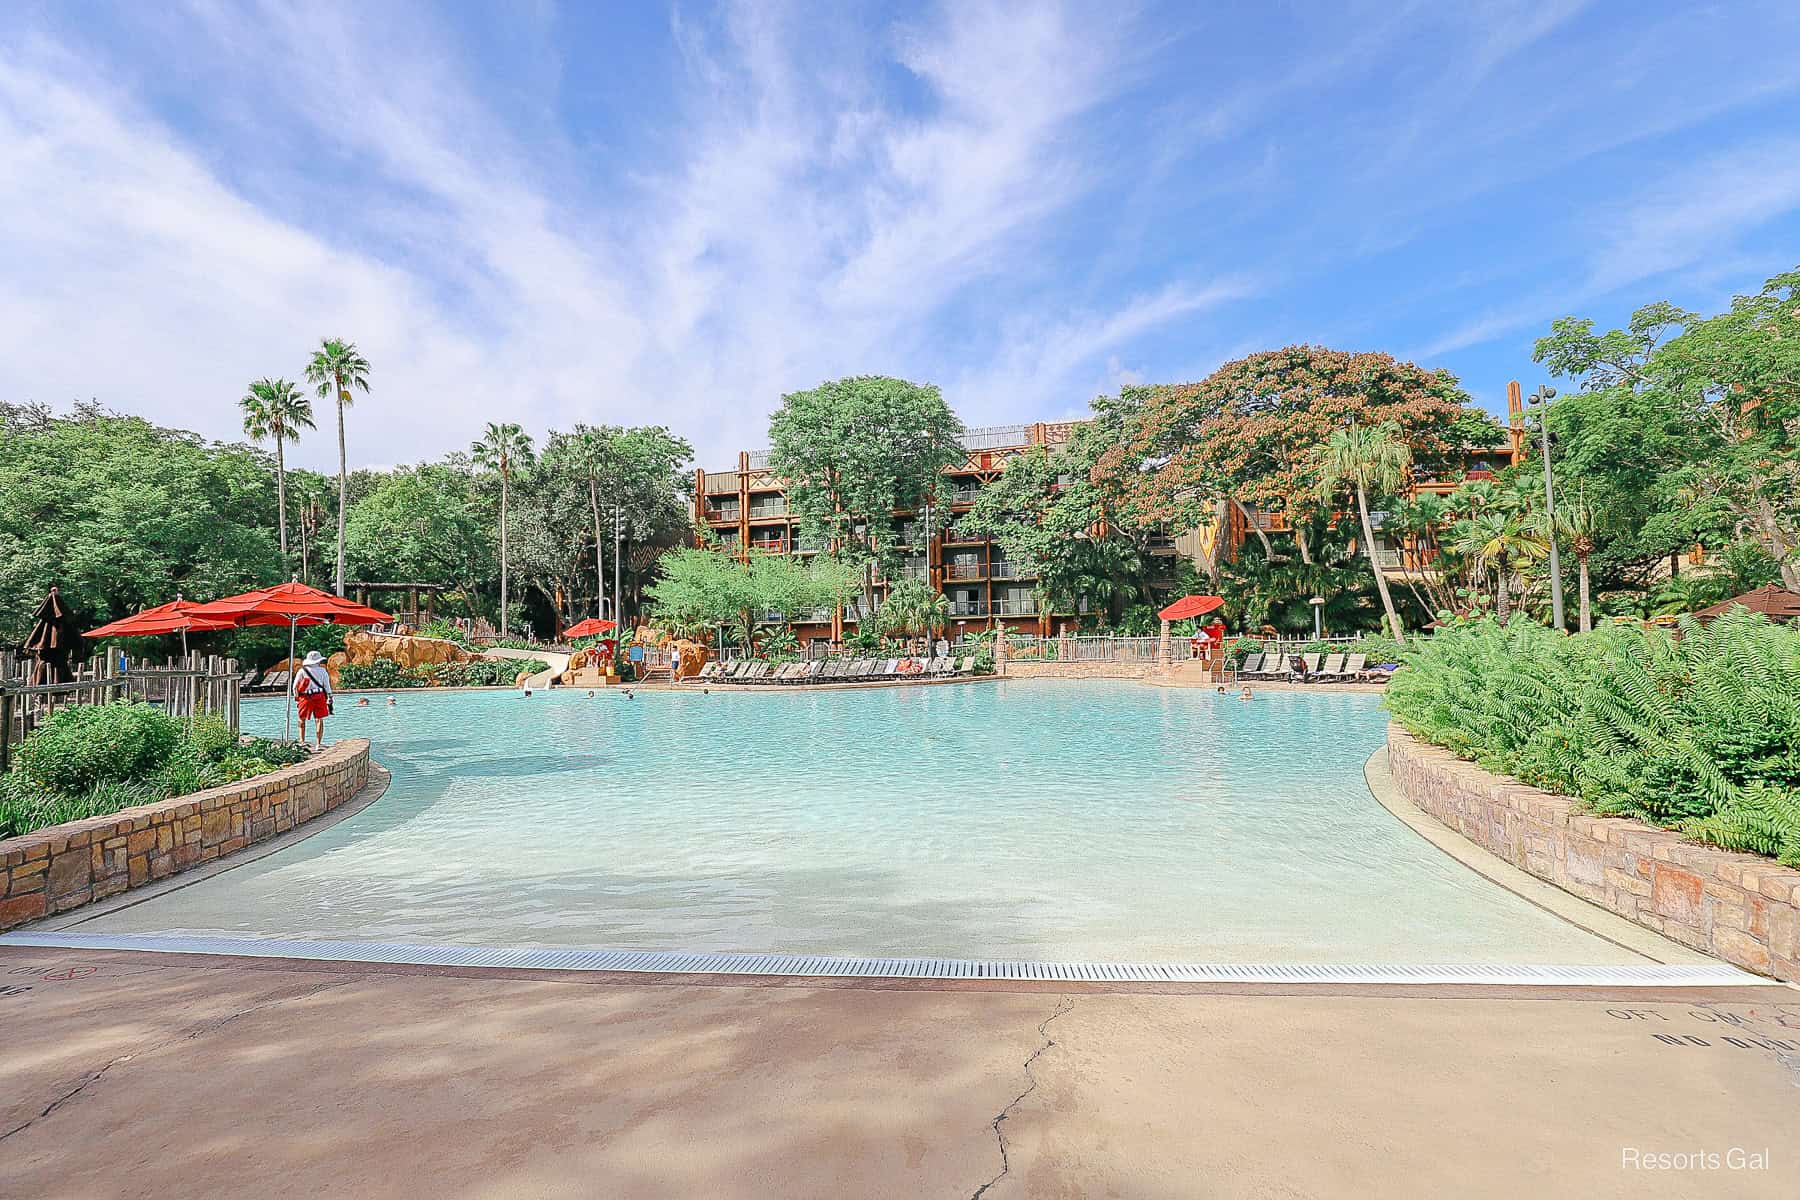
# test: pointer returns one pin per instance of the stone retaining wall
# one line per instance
(1739, 907)
(65, 866)
(1025, 669)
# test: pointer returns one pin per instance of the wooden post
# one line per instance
(6, 722)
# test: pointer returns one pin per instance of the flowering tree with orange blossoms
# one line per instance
(1248, 433)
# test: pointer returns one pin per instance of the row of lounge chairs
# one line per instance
(837, 670)
(1307, 668)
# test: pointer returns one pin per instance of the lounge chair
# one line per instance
(1250, 666)
(1351, 670)
(1334, 665)
(966, 666)
(1271, 666)
(814, 670)
(707, 674)
(1309, 666)
(938, 667)
(832, 670)
(275, 680)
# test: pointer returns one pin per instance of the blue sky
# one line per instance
(624, 213)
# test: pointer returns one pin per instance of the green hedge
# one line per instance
(99, 758)
(1698, 732)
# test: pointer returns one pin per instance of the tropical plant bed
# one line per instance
(1695, 730)
(95, 759)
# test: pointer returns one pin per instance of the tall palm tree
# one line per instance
(335, 368)
(591, 451)
(1370, 460)
(278, 409)
(503, 449)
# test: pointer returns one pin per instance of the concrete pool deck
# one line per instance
(148, 1075)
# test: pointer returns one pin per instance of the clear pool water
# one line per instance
(1021, 820)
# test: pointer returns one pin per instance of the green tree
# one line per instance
(1368, 460)
(1503, 542)
(1684, 429)
(503, 449)
(422, 523)
(1050, 518)
(912, 607)
(334, 369)
(122, 515)
(275, 408)
(1576, 526)
(639, 472)
(854, 451)
(699, 588)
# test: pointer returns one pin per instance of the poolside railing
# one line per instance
(180, 687)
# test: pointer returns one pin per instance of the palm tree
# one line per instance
(335, 368)
(591, 452)
(503, 449)
(1578, 529)
(1502, 541)
(276, 408)
(1370, 460)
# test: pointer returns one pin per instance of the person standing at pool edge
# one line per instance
(312, 695)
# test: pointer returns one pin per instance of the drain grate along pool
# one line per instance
(677, 963)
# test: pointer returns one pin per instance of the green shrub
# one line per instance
(1699, 731)
(275, 753)
(1379, 650)
(484, 672)
(381, 675)
(25, 806)
(984, 663)
(210, 736)
(91, 744)
(445, 631)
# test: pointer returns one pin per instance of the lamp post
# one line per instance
(1540, 401)
(1318, 607)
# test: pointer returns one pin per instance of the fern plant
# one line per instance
(1696, 729)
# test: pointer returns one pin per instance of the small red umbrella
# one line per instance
(592, 627)
(1191, 606)
(177, 616)
(291, 604)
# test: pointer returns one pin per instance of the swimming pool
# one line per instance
(1028, 819)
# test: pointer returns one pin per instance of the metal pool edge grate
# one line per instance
(815, 966)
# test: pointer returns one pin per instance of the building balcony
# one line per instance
(913, 569)
(1026, 607)
(965, 571)
(968, 608)
(769, 545)
(1000, 569)
(958, 537)
(965, 493)
(723, 515)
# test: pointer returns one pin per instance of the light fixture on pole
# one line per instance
(1318, 607)
(1540, 402)
(618, 537)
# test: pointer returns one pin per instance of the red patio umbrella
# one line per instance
(291, 604)
(592, 627)
(177, 616)
(1191, 606)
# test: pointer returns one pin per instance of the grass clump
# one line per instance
(1697, 731)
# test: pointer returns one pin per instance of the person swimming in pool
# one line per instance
(1245, 695)
(391, 702)
(363, 702)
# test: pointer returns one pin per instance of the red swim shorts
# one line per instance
(314, 706)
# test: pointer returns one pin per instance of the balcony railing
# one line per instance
(964, 494)
(914, 569)
(964, 570)
(1001, 569)
(968, 608)
(994, 437)
(768, 508)
(1018, 607)
(722, 514)
(961, 537)
(771, 545)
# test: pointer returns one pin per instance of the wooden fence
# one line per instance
(180, 687)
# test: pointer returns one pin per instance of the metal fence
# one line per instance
(1085, 649)
(180, 687)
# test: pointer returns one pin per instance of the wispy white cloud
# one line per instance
(802, 223)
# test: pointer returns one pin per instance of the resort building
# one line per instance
(746, 509)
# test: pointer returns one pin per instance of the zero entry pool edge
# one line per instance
(816, 966)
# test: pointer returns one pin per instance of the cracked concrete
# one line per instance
(150, 1075)
(1062, 1006)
